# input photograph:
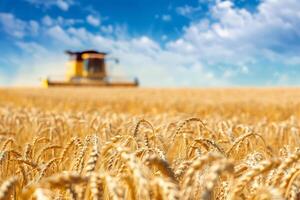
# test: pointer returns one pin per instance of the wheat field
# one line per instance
(113, 143)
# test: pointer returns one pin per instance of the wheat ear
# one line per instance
(92, 161)
(246, 178)
(163, 166)
(215, 171)
(284, 165)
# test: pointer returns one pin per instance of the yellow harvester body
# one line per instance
(87, 68)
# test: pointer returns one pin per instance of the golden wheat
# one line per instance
(180, 144)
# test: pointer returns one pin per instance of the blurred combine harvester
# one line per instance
(88, 68)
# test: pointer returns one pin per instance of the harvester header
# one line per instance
(88, 68)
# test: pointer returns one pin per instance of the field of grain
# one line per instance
(149, 144)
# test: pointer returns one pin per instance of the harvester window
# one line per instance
(94, 66)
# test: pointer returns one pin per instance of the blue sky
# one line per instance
(163, 43)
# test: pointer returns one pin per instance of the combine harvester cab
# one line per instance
(88, 68)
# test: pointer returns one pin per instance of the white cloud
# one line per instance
(16, 27)
(34, 27)
(107, 29)
(144, 43)
(31, 47)
(32, 64)
(48, 21)
(61, 4)
(93, 20)
(235, 34)
(230, 72)
(166, 18)
(187, 11)
(61, 36)
(12, 26)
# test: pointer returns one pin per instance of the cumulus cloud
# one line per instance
(93, 20)
(61, 4)
(238, 37)
(16, 27)
(61, 36)
(12, 26)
